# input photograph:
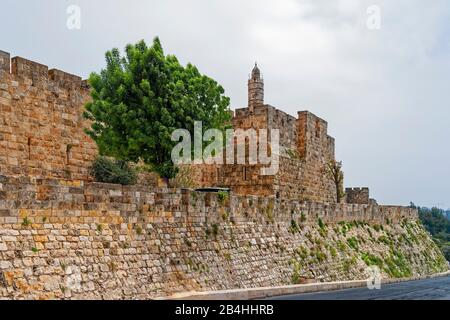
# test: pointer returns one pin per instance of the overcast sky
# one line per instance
(384, 92)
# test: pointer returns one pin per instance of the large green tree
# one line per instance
(140, 98)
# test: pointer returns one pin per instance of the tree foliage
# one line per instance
(436, 222)
(138, 100)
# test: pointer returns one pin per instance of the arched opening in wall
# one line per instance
(245, 174)
(317, 128)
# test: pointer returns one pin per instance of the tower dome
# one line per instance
(256, 74)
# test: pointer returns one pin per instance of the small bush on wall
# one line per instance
(110, 170)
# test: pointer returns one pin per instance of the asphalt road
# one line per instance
(428, 289)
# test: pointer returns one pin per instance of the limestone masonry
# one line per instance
(41, 123)
(305, 150)
(76, 239)
(64, 236)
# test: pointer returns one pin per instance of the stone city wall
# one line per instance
(62, 236)
(75, 239)
(42, 135)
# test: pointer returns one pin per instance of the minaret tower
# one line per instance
(255, 89)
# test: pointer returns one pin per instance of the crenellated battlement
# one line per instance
(39, 75)
(357, 195)
(41, 121)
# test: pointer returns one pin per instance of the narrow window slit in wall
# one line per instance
(68, 153)
(34, 79)
(29, 148)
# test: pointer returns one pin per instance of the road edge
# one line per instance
(265, 292)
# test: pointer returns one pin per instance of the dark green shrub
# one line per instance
(222, 196)
(378, 227)
(302, 252)
(26, 222)
(302, 217)
(215, 230)
(371, 259)
(112, 171)
(333, 251)
(294, 227)
(353, 243)
(384, 240)
(341, 246)
(320, 256)
(321, 224)
(323, 232)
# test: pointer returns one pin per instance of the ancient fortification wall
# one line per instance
(62, 236)
(41, 123)
(42, 135)
(73, 239)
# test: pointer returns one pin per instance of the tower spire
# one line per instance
(255, 88)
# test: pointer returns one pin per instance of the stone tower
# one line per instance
(255, 89)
